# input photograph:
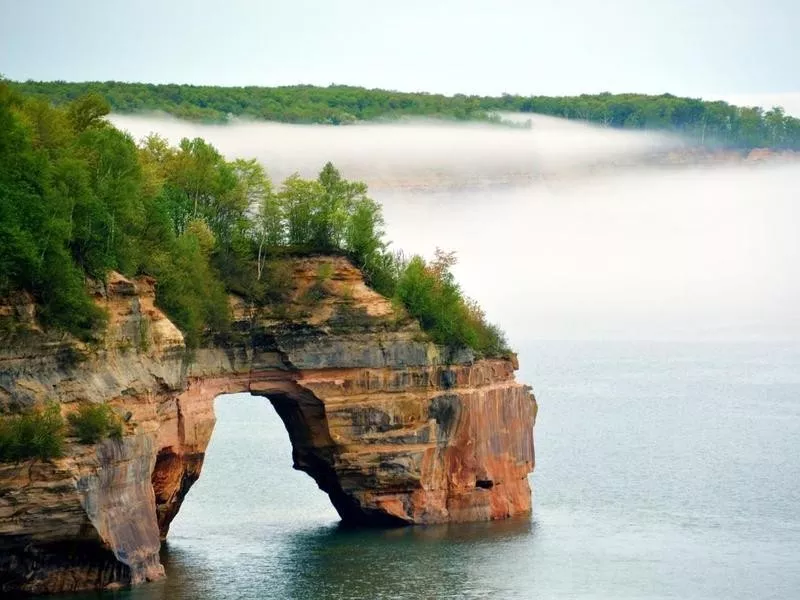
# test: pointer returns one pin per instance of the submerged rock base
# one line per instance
(397, 430)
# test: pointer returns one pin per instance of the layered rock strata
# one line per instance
(396, 429)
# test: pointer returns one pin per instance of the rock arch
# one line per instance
(314, 451)
(394, 428)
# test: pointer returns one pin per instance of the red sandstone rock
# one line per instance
(394, 428)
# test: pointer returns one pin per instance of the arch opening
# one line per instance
(313, 451)
(248, 487)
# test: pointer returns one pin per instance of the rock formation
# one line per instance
(396, 429)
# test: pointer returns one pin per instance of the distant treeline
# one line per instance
(708, 123)
(79, 198)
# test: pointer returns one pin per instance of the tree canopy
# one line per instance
(702, 122)
(79, 198)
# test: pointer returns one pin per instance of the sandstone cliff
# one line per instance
(394, 428)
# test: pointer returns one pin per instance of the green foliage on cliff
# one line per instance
(52, 228)
(716, 123)
(79, 198)
(36, 434)
(430, 293)
(40, 433)
(92, 423)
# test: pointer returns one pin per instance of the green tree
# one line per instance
(364, 232)
(430, 293)
(108, 220)
(713, 123)
(39, 187)
(88, 111)
(333, 208)
(188, 287)
(775, 123)
(78, 198)
(298, 198)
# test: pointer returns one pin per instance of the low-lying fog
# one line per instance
(417, 153)
(562, 230)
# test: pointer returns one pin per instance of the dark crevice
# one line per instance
(80, 564)
(313, 452)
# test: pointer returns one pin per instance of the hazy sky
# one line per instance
(714, 48)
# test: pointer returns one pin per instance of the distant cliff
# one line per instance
(396, 429)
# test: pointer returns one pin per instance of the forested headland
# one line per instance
(714, 124)
(79, 198)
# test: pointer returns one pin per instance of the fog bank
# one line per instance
(559, 233)
(418, 153)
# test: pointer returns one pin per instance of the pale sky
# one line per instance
(710, 48)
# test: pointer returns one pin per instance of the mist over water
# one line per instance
(417, 152)
(683, 254)
(564, 230)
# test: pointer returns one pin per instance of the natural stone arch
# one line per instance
(395, 428)
(305, 420)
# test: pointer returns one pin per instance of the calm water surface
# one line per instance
(664, 470)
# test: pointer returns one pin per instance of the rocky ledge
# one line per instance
(396, 429)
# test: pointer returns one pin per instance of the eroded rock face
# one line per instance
(394, 428)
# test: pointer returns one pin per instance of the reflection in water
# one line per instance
(334, 562)
(437, 562)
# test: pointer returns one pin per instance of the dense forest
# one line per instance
(79, 198)
(716, 124)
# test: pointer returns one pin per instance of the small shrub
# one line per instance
(278, 282)
(347, 294)
(37, 434)
(143, 343)
(324, 272)
(383, 270)
(315, 293)
(279, 311)
(318, 291)
(94, 422)
(124, 345)
(430, 293)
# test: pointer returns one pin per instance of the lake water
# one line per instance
(665, 469)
